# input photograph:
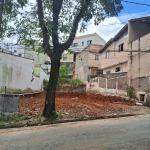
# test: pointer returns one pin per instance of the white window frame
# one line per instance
(107, 54)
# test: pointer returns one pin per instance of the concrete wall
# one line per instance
(123, 68)
(91, 59)
(137, 30)
(39, 58)
(114, 86)
(16, 73)
(139, 65)
(86, 64)
(82, 70)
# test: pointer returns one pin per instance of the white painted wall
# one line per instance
(16, 73)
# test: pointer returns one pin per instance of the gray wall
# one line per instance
(82, 69)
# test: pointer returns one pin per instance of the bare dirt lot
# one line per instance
(81, 105)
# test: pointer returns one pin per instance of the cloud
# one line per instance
(110, 26)
(106, 29)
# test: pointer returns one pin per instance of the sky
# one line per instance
(111, 26)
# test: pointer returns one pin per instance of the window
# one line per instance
(117, 69)
(107, 72)
(65, 58)
(120, 47)
(96, 57)
(74, 44)
(89, 42)
(20, 55)
(99, 72)
(107, 54)
(82, 43)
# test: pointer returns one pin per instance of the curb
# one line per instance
(70, 120)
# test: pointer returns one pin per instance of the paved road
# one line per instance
(132, 133)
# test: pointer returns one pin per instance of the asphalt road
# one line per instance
(130, 133)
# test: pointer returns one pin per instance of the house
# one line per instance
(114, 58)
(125, 60)
(88, 62)
(80, 43)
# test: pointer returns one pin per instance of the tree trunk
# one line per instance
(49, 109)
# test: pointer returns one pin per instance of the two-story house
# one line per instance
(80, 43)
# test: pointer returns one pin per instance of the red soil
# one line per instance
(77, 105)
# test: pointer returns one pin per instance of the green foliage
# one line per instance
(63, 71)
(131, 92)
(60, 115)
(2, 123)
(24, 117)
(70, 81)
(16, 118)
(45, 81)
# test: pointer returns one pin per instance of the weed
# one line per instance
(131, 92)
(12, 123)
(39, 117)
(60, 114)
(16, 118)
(2, 123)
(53, 117)
(24, 117)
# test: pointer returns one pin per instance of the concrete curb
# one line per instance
(70, 120)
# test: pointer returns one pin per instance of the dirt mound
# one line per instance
(77, 105)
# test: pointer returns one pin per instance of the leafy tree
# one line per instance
(9, 9)
(50, 20)
(63, 71)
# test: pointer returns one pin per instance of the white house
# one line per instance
(80, 43)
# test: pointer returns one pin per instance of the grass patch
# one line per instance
(2, 123)
(70, 81)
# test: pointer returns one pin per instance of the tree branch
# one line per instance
(72, 35)
(1, 13)
(46, 44)
(57, 4)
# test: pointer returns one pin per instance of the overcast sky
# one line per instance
(110, 26)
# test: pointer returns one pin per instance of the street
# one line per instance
(128, 133)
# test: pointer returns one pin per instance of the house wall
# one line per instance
(135, 31)
(123, 67)
(91, 60)
(82, 70)
(96, 39)
(139, 65)
(116, 58)
(69, 58)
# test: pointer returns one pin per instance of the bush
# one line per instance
(70, 81)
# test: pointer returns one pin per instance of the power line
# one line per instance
(136, 3)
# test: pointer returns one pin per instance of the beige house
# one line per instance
(114, 58)
(88, 62)
(80, 43)
(125, 59)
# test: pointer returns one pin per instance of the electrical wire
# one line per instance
(135, 3)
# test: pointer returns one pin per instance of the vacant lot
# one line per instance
(81, 105)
